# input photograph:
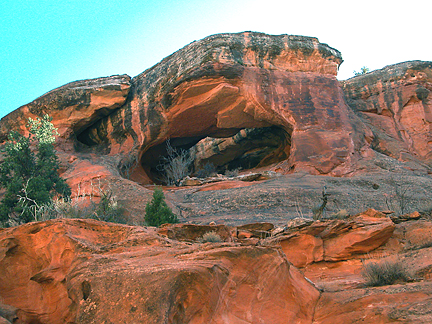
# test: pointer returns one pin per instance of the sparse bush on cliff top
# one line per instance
(157, 211)
(363, 70)
(30, 178)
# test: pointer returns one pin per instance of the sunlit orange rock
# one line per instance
(82, 271)
(395, 104)
(410, 303)
(335, 240)
(73, 106)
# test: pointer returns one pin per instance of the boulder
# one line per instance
(406, 217)
(254, 230)
(334, 240)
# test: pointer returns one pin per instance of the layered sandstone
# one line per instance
(73, 106)
(395, 104)
(335, 240)
(231, 84)
(238, 100)
(224, 83)
(213, 87)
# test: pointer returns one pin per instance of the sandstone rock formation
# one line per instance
(73, 106)
(240, 100)
(336, 240)
(85, 271)
(214, 87)
(344, 297)
(395, 104)
(74, 271)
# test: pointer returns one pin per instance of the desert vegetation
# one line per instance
(29, 173)
(384, 272)
(34, 191)
(175, 165)
(104, 208)
(212, 237)
(363, 70)
(157, 210)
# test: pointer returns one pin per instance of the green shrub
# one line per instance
(30, 179)
(157, 211)
(211, 237)
(384, 272)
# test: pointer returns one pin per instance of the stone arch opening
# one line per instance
(247, 149)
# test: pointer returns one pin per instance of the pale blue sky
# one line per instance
(45, 43)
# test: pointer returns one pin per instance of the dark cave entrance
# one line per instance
(249, 148)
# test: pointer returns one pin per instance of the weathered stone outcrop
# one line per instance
(85, 271)
(224, 83)
(270, 101)
(75, 271)
(215, 87)
(73, 107)
(334, 240)
(395, 104)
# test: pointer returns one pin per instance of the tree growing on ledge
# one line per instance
(30, 178)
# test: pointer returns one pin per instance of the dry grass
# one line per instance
(384, 272)
(212, 237)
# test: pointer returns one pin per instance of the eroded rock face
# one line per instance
(224, 83)
(84, 271)
(335, 240)
(230, 84)
(73, 106)
(75, 271)
(395, 104)
(249, 148)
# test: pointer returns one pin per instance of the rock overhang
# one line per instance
(216, 87)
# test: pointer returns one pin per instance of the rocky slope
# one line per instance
(76, 271)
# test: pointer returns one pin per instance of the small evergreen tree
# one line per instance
(157, 211)
(31, 180)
